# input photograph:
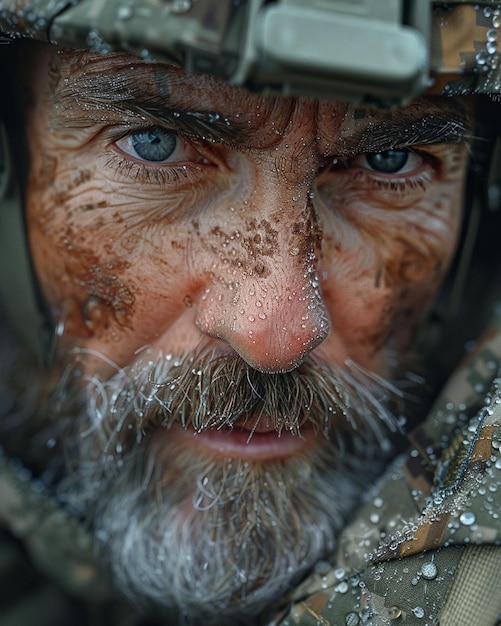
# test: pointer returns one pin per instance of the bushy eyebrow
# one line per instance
(207, 125)
(146, 97)
(407, 130)
(120, 99)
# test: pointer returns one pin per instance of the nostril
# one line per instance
(271, 336)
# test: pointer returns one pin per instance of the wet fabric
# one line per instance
(426, 547)
(423, 549)
(463, 37)
(48, 573)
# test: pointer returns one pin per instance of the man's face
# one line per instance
(234, 276)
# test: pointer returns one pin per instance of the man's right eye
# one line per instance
(153, 145)
(390, 162)
(158, 146)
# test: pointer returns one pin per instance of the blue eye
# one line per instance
(153, 145)
(388, 162)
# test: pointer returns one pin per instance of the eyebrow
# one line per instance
(425, 130)
(100, 98)
(208, 125)
(122, 97)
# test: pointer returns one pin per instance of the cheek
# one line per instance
(110, 258)
(86, 287)
(383, 266)
(396, 233)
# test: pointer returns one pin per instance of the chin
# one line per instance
(220, 540)
(210, 506)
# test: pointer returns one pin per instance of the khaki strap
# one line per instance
(475, 593)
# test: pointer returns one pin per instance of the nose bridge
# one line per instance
(269, 307)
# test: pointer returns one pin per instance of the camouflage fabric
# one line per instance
(426, 547)
(48, 573)
(464, 49)
(423, 549)
(464, 54)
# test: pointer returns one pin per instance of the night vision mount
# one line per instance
(385, 52)
(380, 52)
(352, 49)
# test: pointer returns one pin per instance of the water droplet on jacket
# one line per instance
(429, 570)
(180, 6)
(124, 12)
(418, 611)
(467, 518)
(352, 619)
(342, 587)
(339, 573)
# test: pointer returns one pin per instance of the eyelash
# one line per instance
(147, 175)
(398, 185)
(150, 174)
(391, 182)
(162, 174)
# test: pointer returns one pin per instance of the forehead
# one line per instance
(122, 88)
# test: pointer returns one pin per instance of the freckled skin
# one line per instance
(266, 248)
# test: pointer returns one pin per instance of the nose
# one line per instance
(270, 310)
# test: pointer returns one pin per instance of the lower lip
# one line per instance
(242, 444)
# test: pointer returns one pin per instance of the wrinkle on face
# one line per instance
(268, 210)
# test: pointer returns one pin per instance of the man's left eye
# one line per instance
(389, 161)
(157, 145)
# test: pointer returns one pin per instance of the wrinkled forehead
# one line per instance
(117, 86)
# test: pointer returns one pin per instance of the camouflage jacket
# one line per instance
(423, 549)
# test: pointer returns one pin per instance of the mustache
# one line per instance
(222, 391)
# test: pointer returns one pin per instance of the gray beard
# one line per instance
(217, 540)
(199, 539)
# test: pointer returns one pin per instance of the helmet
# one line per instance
(292, 46)
(370, 52)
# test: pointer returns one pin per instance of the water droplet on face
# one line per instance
(251, 318)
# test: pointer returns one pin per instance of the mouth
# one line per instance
(246, 441)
